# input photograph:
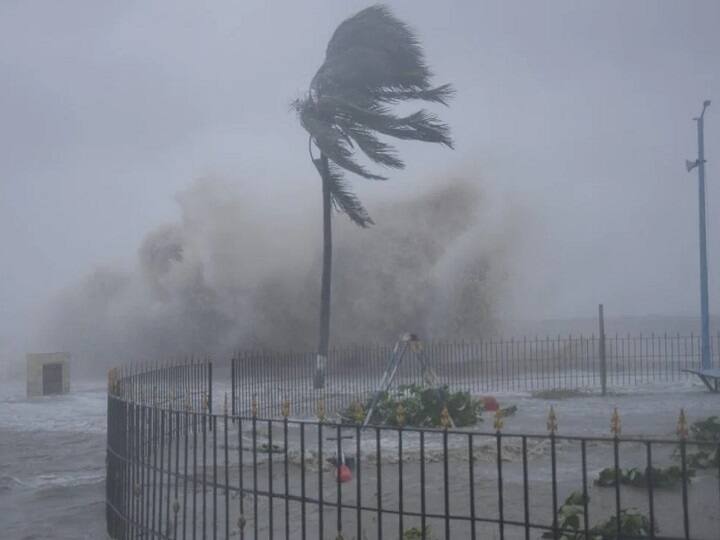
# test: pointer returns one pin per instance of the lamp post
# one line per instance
(700, 164)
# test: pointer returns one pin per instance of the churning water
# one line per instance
(52, 464)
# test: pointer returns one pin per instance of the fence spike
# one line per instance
(225, 405)
(400, 415)
(445, 417)
(615, 424)
(285, 408)
(552, 424)
(320, 412)
(682, 426)
(498, 422)
(253, 407)
(357, 412)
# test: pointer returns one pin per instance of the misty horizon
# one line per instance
(572, 123)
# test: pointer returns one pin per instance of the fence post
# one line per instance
(601, 345)
(232, 388)
(210, 385)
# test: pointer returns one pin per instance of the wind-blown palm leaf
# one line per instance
(342, 198)
(372, 61)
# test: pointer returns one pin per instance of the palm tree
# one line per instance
(373, 61)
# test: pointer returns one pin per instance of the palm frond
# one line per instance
(344, 200)
(373, 61)
(372, 147)
(334, 144)
(441, 94)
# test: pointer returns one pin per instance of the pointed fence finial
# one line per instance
(400, 415)
(445, 417)
(204, 401)
(615, 424)
(552, 424)
(285, 408)
(225, 405)
(320, 411)
(682, 426)
(110, 381)
(498, 422)
(254, 407)
(357, 412)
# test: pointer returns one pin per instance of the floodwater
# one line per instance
(52, 462)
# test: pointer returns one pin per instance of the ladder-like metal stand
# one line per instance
(407, 342)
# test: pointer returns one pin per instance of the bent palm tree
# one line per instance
(373, 61)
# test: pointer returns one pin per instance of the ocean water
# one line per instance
(52, 464)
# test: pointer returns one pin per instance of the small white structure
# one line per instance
(48, 373)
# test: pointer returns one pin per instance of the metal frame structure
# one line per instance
(176, 470)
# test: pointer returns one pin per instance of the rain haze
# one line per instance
(573, 121)
(157, 198)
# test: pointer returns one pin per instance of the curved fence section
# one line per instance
(177, 470)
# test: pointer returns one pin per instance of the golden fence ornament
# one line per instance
(552, 424)
(285, 408)
(400, 415)
(320, 410)
(498, 423)
(615, 424)
(113, 381)
(682, 426)
(445, 417)
(357, 412)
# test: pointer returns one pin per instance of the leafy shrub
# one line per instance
(416, 533)
(633, 524)
(419, 406)
(661, 478)
(707, 430)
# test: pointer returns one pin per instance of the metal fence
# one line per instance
(175, 470)
(570, 362)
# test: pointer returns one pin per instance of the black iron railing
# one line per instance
(571, 362)
(175, 470)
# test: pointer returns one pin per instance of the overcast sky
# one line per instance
(577, 113)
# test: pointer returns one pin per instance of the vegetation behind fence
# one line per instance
(570, 362)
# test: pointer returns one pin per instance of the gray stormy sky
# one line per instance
(578, 113)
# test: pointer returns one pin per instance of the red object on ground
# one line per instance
(490, 403)
(343, 473)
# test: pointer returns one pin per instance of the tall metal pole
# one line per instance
(704, 312)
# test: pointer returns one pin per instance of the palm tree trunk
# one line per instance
(324, 333)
